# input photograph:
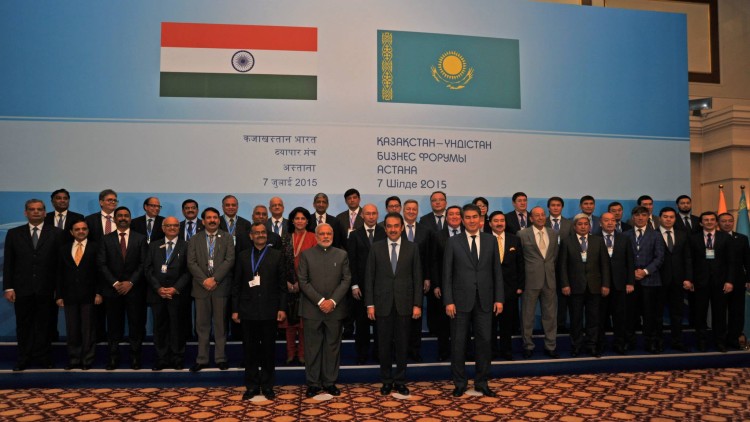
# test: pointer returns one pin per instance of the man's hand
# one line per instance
(209, 284)
(126, 286)
(450, 310)
(640, 274)
(10, 296)
(728, 287)
(60, 303)
(605, 291)
(437, 293)
(280, 316)
(426, 286)
(498, 308)
(629, 288)
(566, 291)
(371, 313)
(326, 306)
(687, 285)
(98, 299)
(236, 317)
(357, 293)
(416, 312)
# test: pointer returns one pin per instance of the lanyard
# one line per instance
(255, 265)
(211, 245)
(169, 252)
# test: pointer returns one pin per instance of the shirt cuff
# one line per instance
(321, 301)
(356, 286)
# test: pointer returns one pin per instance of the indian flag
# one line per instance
(238, 61)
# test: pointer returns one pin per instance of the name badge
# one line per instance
(583, 256)
(710, 254)
(234, 240)
(610, 250)
(148, 240)
(164, 269)
(211, 263)
(255, 282)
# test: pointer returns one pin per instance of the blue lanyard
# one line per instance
(210, 245)
(255, 265)
(169, 253)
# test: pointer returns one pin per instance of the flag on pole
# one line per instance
(743, 224)
(722, 202)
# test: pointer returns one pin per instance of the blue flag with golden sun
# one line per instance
(425, 68)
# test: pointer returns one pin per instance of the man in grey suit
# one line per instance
(210, 261)
(393, 296)
(540, 254)
(324, 280)
(472, 291)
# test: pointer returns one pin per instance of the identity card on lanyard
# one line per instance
(255, 265)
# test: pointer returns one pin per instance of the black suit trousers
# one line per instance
(133, 305)
(32, 328)
(259, 345)
(506, 323)
(736, 308)
(613, 305)
(481, 322)
(714, 295)
(169, 332)
(587, 304)
(653, 314)
(80, 326)
(437, 323)
(674, 299)
(393, 339)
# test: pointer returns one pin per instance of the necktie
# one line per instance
(440, 222)
(501, 248)
(609, 241)
(169, 249)
(149, 225)
(687, 223)
(556, 224)
(394, 257)
(34, 236)
(108, 226)
(320, 219)
(123, 245)
(231, 226)
(189, 231)
(370, 236)
(584, 244)
(542, 245)
(410, 233)
(670, 241)
(211, 253)
(60, 221)
(455, 232)
(276, 227)
(474, 253)
(619, 227)
(640, 235)
(709, 241)
(651, 223)
(79, 253)
(522, 219)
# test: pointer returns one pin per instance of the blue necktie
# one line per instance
(440, 222)
(410, 233)
(189, 230)
(584, 244)
(522, 217)
(609, 240)
(394, 257)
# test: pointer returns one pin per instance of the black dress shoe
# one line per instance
(158, 367)
(416, 357)
(135, 364)
(443, 357)
(361, 360)
(678, 345)
(269, 394)
(402, 389)
(721, 348)
(249, 394)
(527, 353)
(701, 346)
(86, 367)
(506, 355)
(223, 366)
(332, 390)
(198, 366)
(574, 353)
(485, 391)
(70, 366)
(552, 353)
(386, 389)
(312, 391)
(459, 391)
(178, 366)
(112, 365)
(593, 351)
(619, 349)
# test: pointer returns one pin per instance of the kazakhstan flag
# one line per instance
(424, 68)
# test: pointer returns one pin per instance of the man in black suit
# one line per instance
(191, 224)
(358, 248)
(622, 267)
(615, 208)
(77, 293)
(121, 256)
(563, 226)
(517, 219)
(393, 296)
(259, 296)
(351, 219)
(740, 261)
(587, 203)
(277, 224)
(511, 260)
(236, 226)
(62, 217)
(647, 202)
(260, 215)
(392, 204)
(29, 276)
(585, 277)
(320, 216)
(437, 320)
(711, 255)
(423, 238)
(686, 220)
(150, 224)
(435, 220)
(103, 222)
(472, 292)
(168, 278)
(676, 272)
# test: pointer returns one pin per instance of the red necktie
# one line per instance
(123, 245)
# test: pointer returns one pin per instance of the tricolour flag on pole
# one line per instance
(238, 61)
(425, 68)
(743, 225)
(722, 202)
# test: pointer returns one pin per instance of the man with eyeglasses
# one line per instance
(103, 222)
(150, 225)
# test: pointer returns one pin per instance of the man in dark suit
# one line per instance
(191, 224)
(210, 262)
(588, 206)
(358, 247)
(622, 266)
(29, 275)
(392, 204)
(324, 280)
(563, 226)
(511, 259)
(168, 278)
(686, 220)
(277, 224)
(648, 250)
(472, 292)
(393, 295)
(237, 227)
(121, 256)
(76, 293)
(149, 224)
(62, 217)
(615, 208)
(435, 220)
(259, 296)
(260, 215)
(320, 216)
(740, 261)
(423, 238)
(647, 202)
(518, 219)
(585, 277)
(676, 272)
(712, 279)
(351, 219)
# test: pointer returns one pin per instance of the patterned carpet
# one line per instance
(708, 395)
